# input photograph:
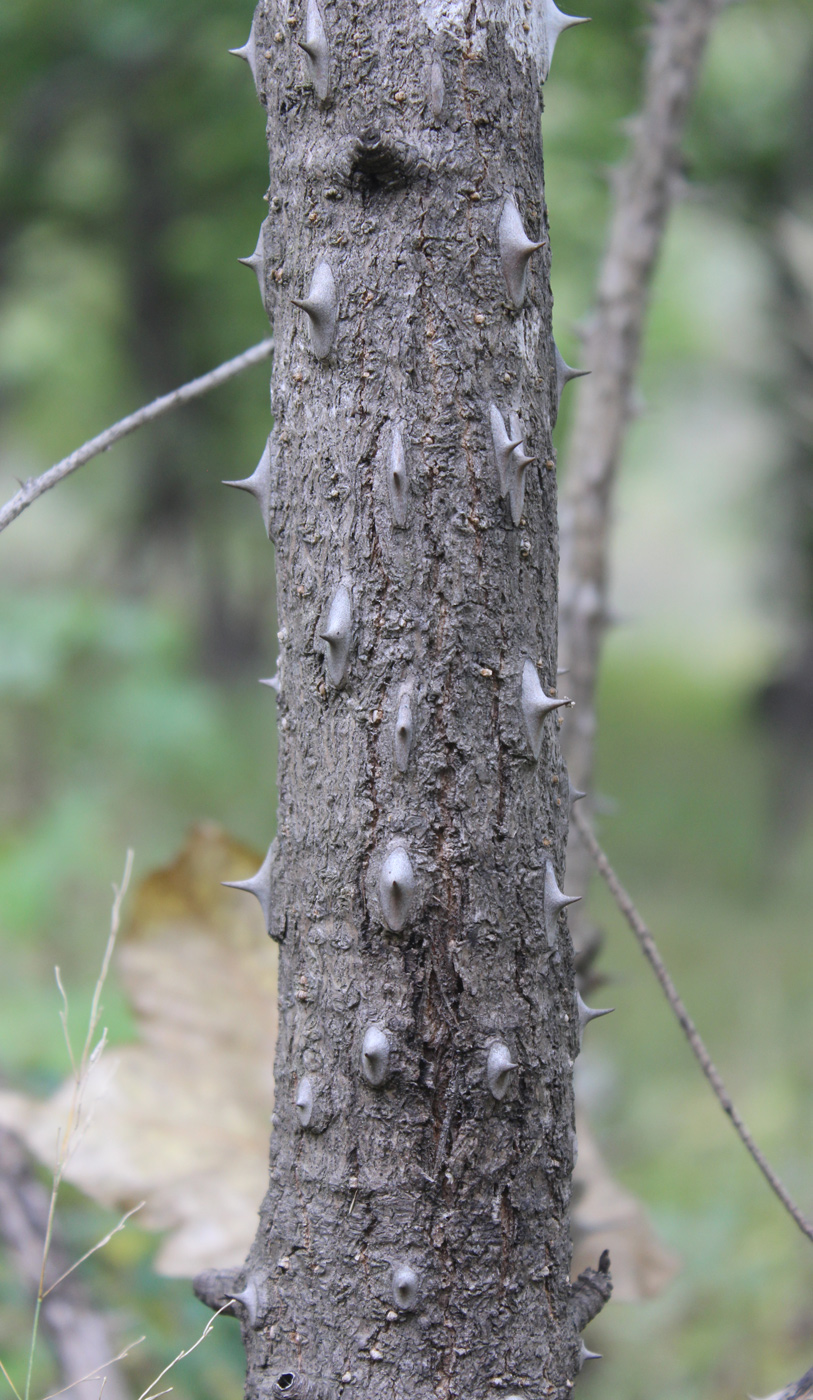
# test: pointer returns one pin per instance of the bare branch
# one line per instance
(644, 191)
(650, 951)
(38, 485)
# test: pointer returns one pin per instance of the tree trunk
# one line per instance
(414, 1238)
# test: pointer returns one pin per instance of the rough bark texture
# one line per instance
(644, 192)
(414, 1239)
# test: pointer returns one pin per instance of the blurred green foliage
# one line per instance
(137, 610)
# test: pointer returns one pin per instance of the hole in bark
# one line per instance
(286, 1380)
(380, 162)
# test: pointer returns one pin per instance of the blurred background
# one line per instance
(137, 611)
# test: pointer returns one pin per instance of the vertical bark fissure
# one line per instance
(414, 1237)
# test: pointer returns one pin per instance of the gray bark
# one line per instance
(414, 1238)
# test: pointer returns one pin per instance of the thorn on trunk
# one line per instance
(316, 51)
(248, 53)
(304, 1102)
(554, 902)
(375, 1056)
(260, 885)
(555, 22)
(586, 1014)
(322, 309)
(259, 486)
(405, 1288)
(397, 478)
(564, 374)
(516, 249)
(257, 264)
(518, 464)
(437, 91)
(498, 1070)
(338, 634)
(402, 741)
(536, 705)
(396, 888)
(504, 445)
(249, 1298)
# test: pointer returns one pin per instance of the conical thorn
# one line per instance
(555, 22)
(397, 477)
(498, 1070)
(586, 1014)
(303, 1103)
(375, 1056)
(554, 901)
(248, 53)
(516, 249)
(259, 486)
(402, 740)
(321, 306)
(396, 888)
(518, 464)
(504, 444)
(564, 374)
(257, 264)
(250, 1300)
(316, 51)
(575, 795)
(536, 705)
(338, 634)
(260, 885)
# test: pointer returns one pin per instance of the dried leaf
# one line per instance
(181, 1119)
(607, 1216)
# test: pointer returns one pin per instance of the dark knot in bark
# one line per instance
(378, 159)
(292, 1385)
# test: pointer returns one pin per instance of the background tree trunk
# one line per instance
(414, 1239)
(644, 191)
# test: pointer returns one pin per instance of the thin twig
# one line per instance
(90, 1055)
(79, 1335)
(10, 1381)
(148, 1393)
(93, 1375)
(38, 485)
(63, 1017)
(650, 951)
(94, 1249)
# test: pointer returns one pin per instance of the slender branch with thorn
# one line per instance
(650, 951)
(38, 485)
